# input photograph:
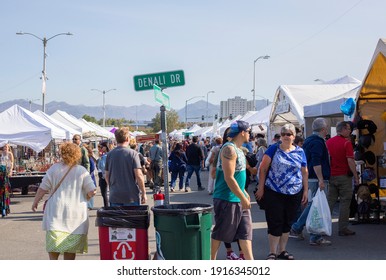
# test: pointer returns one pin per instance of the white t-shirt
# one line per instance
(66, 210)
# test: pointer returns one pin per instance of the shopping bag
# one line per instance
(319, 218)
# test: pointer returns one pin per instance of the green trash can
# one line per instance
(183, 231)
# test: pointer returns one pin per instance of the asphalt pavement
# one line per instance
(21, 236)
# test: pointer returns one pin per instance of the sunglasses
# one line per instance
(286, 134)
(75, 139)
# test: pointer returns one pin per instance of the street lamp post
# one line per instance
(207, 105)
(254, 70)
(30, 103)
(44, 74)
(266, 99)
(186, 109)
(104, 106)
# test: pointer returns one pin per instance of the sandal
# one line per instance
(271, 257)
(285, 256)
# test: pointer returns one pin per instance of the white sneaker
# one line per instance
(233, 256)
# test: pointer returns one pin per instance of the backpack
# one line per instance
(251, 159)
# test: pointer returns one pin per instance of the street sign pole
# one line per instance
(165, 154)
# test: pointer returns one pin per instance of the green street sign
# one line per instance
(163, 80)
(161, 97)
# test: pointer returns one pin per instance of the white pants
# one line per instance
(210, 180)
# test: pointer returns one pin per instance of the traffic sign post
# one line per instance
(165, 153)
(163, 79)
(161, 97)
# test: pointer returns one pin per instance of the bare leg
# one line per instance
(246, 247)
(214, 248)
(273, 243)
(53, 255)
(283, 242)
(69, 256)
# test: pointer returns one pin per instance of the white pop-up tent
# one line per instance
(289, 101)
(69, 130)
(99, 131)
(20, 127)
(259, 120)
(328, 109)
(65, 118)
(73, 122)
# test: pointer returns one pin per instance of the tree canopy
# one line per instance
(172, 121)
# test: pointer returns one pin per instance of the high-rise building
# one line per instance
(239, 106)
(235, 106)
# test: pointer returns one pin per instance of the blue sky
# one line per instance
(214, 42)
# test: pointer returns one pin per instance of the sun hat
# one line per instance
(368, 125)
(369, 157)
(366, 140)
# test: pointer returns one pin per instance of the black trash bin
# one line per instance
(123, 232)
(183, 230)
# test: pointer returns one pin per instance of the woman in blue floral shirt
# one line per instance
(283, 184)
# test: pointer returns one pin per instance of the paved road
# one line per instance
(21, 237)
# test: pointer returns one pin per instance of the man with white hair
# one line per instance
(318, 175)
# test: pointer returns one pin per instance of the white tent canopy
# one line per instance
(259, 119)
(87, 130)
(69, 130)
(193, 129)
(99, 131)
(203, 131)
(290, 100)
(66, 119)
(330, 106)
(177, 134)
(20, 127)
(344, 80)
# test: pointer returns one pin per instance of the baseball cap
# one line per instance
(237, 127)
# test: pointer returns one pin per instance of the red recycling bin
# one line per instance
(123, 232)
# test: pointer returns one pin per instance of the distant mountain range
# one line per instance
(136, 113)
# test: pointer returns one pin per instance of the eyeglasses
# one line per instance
(286, 134)
(75, 139)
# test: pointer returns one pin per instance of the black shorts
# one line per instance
(280, 210)
(231, 221)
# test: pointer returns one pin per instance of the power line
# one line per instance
(321, 30)
(20, 83)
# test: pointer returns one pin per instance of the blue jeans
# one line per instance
(191, 169)
(180, 174)
(299, 225)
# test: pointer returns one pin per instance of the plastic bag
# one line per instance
(319, 218)
(207, 163)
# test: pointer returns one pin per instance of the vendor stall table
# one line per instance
(23, 180)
